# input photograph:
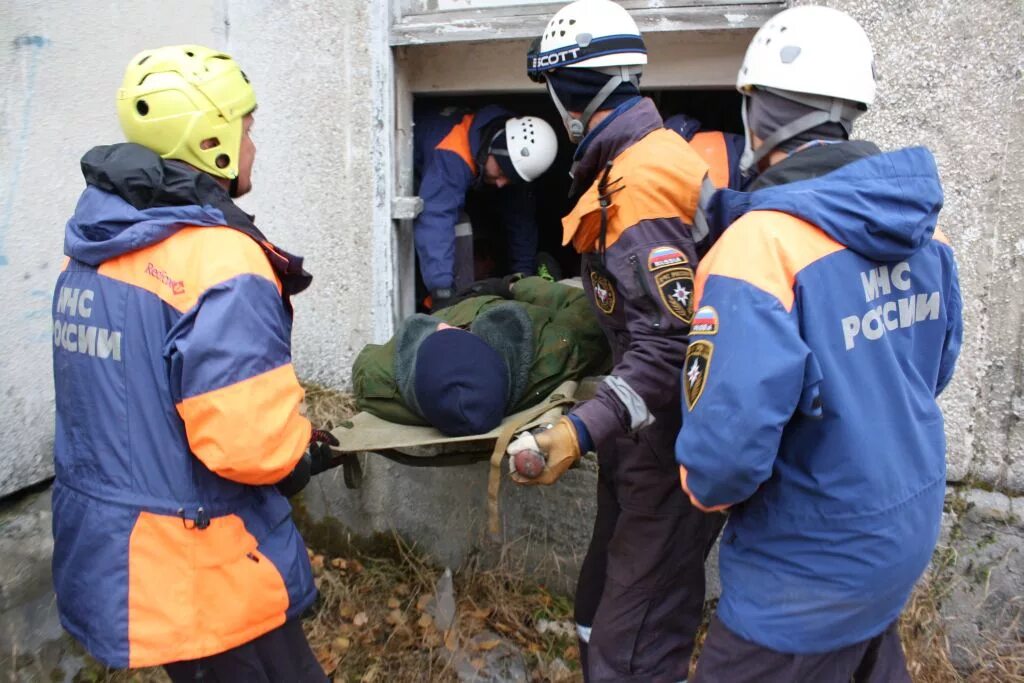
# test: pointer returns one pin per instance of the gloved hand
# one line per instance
(560, 446)
(322, 458)
(442, 298)
(317, 458)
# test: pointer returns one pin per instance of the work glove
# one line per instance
(317, 458)
(442, 298)
(558, 443)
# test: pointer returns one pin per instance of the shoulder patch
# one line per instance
(665, 257)
(705, 321)
(695, 370)
(676, 288)
(604, 293)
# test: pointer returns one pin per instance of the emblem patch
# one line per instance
(676, 288)
(705, 321)
(695, 370)
(664, 257)
(604, 293)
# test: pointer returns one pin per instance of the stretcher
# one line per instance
(365, 435)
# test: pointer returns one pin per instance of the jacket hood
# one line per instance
(883, 206)
(134, 199)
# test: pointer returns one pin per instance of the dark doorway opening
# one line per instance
(715, 109)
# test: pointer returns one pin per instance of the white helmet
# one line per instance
(818, 56)
(531, 144)
(589, 34)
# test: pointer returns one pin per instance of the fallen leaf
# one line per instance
(425, 621)
(482, 613)
(451, 640)
(360, 619)
(394, 603)
(424, 601)
(339, 563)
(318, 564)
(341, 644)
(478, 663)
(346, 629)
(487, 645)
(395, 617)
(402, 590)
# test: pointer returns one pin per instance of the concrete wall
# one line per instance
(322, 147)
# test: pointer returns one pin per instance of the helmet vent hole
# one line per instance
(142, 107)
(223, 160)
(782, 30)
(143, 60)
(561, 34)
(190, 53)
(571, 22)
(209, 143)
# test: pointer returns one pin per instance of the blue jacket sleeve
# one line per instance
(954, 334)
(742, 381)
(443, 188)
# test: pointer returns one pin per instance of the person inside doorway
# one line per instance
(456, 151)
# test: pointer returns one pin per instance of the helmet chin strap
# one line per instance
(233, 187)
(577, 127)
(827, 110)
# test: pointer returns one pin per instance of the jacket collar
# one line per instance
(629, 123)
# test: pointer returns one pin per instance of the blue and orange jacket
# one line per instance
(177, 411)
(722, 151)
(828, 323)
(640, 183)
(446, 156)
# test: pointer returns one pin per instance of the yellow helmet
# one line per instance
(181, 99)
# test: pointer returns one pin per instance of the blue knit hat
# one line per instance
(460, 382)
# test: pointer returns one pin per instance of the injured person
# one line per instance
(504, 347)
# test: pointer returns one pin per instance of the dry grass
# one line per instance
(926, 643)
(375, 623)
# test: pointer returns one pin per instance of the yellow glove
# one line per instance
(559, 445)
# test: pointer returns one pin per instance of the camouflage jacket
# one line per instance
(568, 341)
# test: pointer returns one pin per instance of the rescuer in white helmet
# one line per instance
(635, 188)
(459, 149)
(828, 322)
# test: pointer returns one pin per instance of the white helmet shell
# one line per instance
(532, 146)
(812, 50)
(590, 34)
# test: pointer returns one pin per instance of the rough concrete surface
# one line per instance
(980, 563)
(33, 646)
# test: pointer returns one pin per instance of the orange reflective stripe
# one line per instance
(660, 177)
(710, 145)
(64, 263)
(941, 237)
(183, 266)
(195, 593)
(693, 499)
(250, 431)
(766, 249)
(457, 141)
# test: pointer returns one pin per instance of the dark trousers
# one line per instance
(727, 658)
(282, 655)
(641, 587)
